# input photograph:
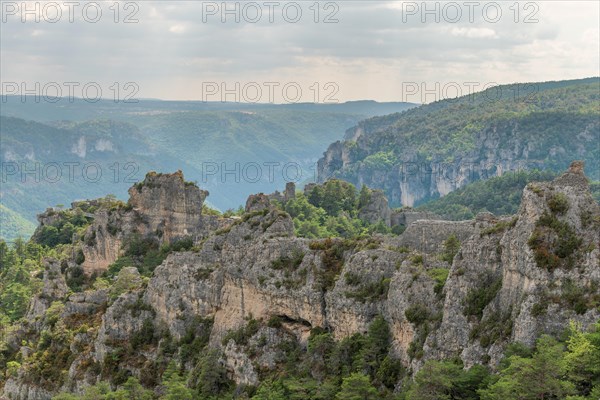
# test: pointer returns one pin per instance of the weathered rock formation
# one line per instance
(164, 206)
(377, 209)
(255, 268)
(169, 204)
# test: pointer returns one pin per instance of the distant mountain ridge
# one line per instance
(431, 150)
(27, 107)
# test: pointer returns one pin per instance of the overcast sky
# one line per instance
(368, 50)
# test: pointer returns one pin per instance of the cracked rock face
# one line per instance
(164, 206)
(525, 286)
(169, 204)
(255, 268)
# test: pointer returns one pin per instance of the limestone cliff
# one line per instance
(512, 279)
(162, 205)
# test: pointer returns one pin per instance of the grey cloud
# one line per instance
(171, 42)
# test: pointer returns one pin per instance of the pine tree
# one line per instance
(357, 387)
(175, 385)
(539, 377)
(213, 376)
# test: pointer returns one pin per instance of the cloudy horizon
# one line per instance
(335, 51)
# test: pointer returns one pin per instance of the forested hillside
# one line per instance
(427, 152)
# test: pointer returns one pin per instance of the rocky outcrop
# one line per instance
(169, 204)
(255, 270)
(257, 202)
(54, 289)
(376, 209)
(102, 243)
(530, 298)
(408, 216)
(162, 206)
(16, 389)
(288, 194)
(428, 236)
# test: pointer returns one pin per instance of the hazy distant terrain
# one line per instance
(230, 149)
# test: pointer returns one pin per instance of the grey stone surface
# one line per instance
(256, 268)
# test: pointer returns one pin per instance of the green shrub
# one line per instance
(289, 263)
(352, 279)
(415, 348)
(554, 243)
(398, 229)
(372, 291)
(203, 273)
(182, 244)
(76, 278)
(439, 275)
(580, 298)
(332, 258)
(496, 326)
(417, 314)
(274, 322)
(63, 227)
(146, 254)
(126, 280)
(500, 227)
(389, 372)
(416, 259)
(12, 369)
(207, 210)
(195, 339)
(451, 247)
(79, 257)
(144, 336)
(243, 334)
(479, 297)
(558, 203)
(540, 308)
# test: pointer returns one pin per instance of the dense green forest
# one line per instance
(14, 225)
(446, 129)
(499, 195)
(331, 210)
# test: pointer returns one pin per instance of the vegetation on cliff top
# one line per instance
(360, 365)
(331, 210)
